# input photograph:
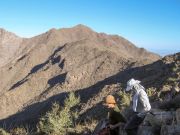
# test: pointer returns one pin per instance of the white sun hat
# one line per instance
(131, 83)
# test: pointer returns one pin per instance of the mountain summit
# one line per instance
(9, 43)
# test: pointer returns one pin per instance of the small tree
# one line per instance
(60, 119)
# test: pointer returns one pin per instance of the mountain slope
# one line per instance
(44, 68)
(161, 80)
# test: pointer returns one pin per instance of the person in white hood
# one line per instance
(141, 105)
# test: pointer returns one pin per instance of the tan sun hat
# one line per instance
(110, 100)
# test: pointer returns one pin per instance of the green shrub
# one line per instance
(151, 92)
(71, 101)
(3, 132)
(125, 99)
(171, 79)
(19, 131)
(86, 126)
(174, 69)
(59, 119)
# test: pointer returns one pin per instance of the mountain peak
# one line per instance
(4, 32)
(81, 26)
(53, 30)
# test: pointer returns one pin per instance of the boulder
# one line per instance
(178, 116)
(170, 130)
(159, 118)
(146, 130)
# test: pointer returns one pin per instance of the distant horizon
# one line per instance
(163, 53)
(153, 25)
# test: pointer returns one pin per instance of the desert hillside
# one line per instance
(161, 80)
(40, 70)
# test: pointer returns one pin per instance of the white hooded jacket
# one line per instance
(141, 102)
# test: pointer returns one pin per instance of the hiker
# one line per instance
(141, 106)
(114, 116)
(110, 126)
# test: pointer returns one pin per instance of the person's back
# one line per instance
(141, 106)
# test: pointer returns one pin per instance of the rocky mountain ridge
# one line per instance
(44, 68)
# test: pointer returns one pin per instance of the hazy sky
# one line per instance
(152, 24)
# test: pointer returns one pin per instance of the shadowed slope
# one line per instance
(63, 60)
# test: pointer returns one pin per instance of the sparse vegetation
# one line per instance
(153, 94)
(85, 127)
(3, 132)
(125, 98)
(60, 119)
(19, 131)
(171, 79)
(174, 69)
(151, 91)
